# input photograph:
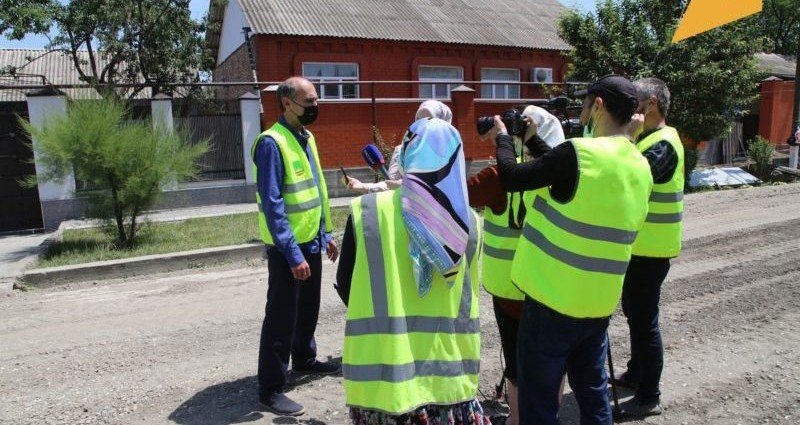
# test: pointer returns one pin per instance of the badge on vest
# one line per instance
(298, 168)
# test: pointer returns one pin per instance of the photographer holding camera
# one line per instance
(588, 199)
(504, 216)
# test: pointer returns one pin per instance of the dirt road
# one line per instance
(181, 348)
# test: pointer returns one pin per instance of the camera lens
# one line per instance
(485, 124)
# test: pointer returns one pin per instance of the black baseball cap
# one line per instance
(617, 91)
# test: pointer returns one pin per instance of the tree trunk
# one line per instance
(132, 233)
(120, 219)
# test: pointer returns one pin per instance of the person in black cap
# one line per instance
(586, 200)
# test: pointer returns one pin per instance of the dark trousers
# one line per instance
(289, 321)
(508, 326)
(640, 296)
(551, 344)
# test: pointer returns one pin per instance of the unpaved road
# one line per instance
(182, 347)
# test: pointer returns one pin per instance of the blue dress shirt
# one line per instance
(269, 164)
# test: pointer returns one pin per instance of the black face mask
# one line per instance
(310, 113)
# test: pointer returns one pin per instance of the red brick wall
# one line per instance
(235, 68)
(344, 127)
(775, 117)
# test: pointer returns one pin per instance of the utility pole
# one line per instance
(251, 56)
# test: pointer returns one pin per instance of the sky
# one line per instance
(199, 8)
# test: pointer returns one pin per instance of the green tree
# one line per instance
(127, 161)
(709, 75)
(780, 23)
(147, 42)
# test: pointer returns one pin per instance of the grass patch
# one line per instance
(96, 244)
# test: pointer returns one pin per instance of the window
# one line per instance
(444, 74)
(499, 91)
(331, 79)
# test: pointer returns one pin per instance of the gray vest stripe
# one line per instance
(584, 230)
(589, 264)
(409, 371)
(666, 197)
(299, 186)
(503, 232)
(372, 242)
(500, 254)
(403, 325)
(664, 218)
(305, 206)
(472, 249)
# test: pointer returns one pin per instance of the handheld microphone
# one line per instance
(374, 159)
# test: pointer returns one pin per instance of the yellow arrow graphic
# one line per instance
(704, 15)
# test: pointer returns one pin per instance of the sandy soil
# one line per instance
(182, 347)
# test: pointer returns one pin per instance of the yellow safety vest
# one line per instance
(660, 236)
(500, 240)
(572, 257)
(304, 199)
(403, 351)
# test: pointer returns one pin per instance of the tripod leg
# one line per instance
(615, 411)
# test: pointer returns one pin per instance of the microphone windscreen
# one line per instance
(373, 156)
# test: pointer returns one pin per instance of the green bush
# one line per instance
(127, 161)
(760, 152)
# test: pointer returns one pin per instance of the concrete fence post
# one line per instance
(251, 128)
(161, 110)
(43, 106)
(793, 152)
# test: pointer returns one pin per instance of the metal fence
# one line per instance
(224, 159)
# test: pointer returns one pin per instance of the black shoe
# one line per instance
(634, 408)
(498, 420)
(318, 368)
(624, 380)
(282, 405)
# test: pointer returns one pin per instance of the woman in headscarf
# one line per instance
(428, 109)
(503, 219)
(408, 273)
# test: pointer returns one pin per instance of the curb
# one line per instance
(158, 263)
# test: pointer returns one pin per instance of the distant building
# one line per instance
(439, 44)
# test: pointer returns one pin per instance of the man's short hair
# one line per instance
(649, 87)
(288, 89)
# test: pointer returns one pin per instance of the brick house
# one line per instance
(374, 61)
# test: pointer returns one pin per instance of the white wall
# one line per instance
(231, 36)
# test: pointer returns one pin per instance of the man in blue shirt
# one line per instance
(293, 295)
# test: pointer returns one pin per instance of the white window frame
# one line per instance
(320, 82)
(433, 81)
(502, 85)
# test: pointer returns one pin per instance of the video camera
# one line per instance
(512, 118)
(561, 107)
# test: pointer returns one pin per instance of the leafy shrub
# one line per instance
(127, 161)
(760, 152)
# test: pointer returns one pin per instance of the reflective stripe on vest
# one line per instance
(392, 352)
(499, 245)
(573, 256)
(305, 200)
(660, 236)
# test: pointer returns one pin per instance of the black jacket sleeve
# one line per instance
(347, 262)
(663, 161)
(557, 168)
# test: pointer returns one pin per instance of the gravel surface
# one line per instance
(182, 347)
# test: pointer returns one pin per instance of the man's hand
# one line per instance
(498, 128)
(302, 271)
(635, 127)
(333, 251)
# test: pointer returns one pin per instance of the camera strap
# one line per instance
(516, 218)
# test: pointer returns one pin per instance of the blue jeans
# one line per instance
(551, 344)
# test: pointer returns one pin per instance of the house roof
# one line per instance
(514, 23)
(56, 67)
(773, 65)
